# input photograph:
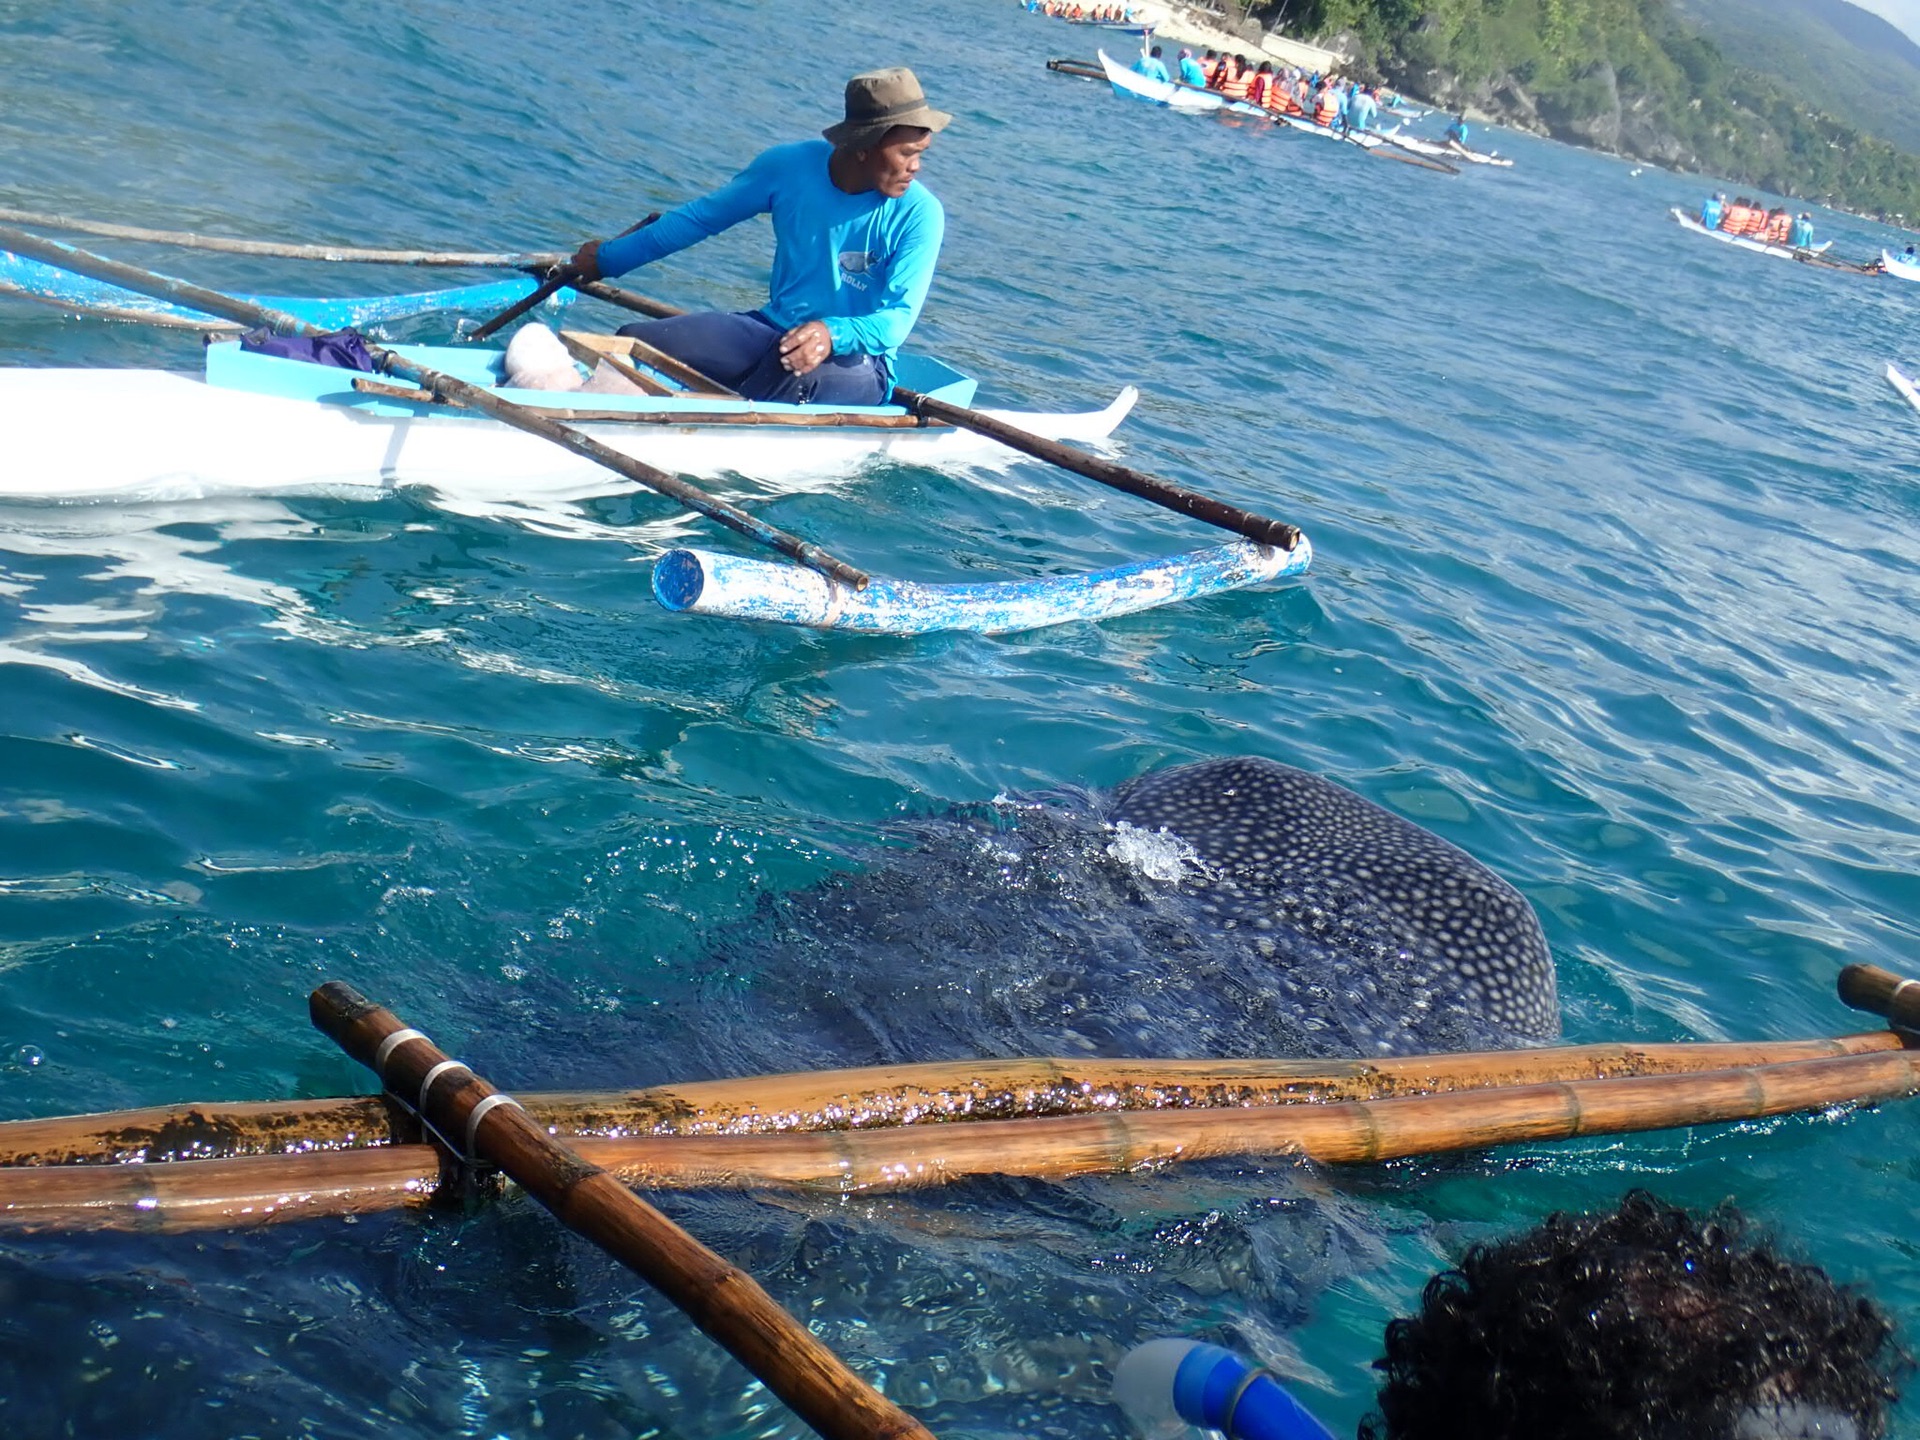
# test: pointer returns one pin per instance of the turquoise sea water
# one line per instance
(1615, 584)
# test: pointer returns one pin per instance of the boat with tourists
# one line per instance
(1194, 100)
(1761, 247)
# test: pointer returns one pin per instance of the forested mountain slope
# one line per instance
(1631, 76)
(1849, 62)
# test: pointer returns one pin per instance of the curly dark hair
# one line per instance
(1642, 1322)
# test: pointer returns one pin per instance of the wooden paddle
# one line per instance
(480, 1124)
(447, 387)
(562, 276)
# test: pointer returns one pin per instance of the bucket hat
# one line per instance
(881, 99)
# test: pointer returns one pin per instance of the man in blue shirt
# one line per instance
(1151, 66)
(1802, 234)
(1190, 71)
(1711, 212)
(1361, 109)
(855, 240)
(1457, 131)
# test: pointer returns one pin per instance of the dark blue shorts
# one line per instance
(742, 352)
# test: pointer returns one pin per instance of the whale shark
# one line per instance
(1224, 908)
(1284, 847)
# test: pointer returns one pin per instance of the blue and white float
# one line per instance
(706, 582)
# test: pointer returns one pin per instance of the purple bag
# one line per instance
(344, 349)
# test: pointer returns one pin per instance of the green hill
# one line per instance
(1845, 61)
(1636, 78)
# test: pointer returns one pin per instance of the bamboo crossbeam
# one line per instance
(881, 1096)
(572, 415)
(724, 1301)
(283, 250)
(218, 1194)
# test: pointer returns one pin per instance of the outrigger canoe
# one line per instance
(1132, 85)
(1445, 149)
(256, 422)
(1747, 242)
(77, 294)
(260, 424)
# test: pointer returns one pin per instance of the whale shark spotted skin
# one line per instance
(1279, 915)
(1280, 846)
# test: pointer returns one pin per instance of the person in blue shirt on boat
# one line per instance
(855, 241)
(1457, 132)
(1151, 66)
(1191, 72)
(1801, 235)
(1711, 212)
(1360, 110)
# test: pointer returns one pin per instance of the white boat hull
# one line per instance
(1903, 385)
(135, 434)
(1899, 268)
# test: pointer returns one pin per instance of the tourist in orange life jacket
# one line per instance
(1260, 87)
(1779, 226)
(1326, 105)
(1734, 221)
(1236, 88)
(1209, 63)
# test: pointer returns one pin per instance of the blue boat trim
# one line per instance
(706, 582)
(231, 368)
(49, 283)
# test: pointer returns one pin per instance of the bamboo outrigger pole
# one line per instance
(931, 1093)
(282, 250)
(216, 1194)
(459, 392)
(479, 1123)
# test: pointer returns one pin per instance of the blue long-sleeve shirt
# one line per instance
(860, 263)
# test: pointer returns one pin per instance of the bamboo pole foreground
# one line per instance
(724, 1301)
(212, 1194)
(927, 1093)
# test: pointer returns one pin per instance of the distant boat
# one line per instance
(1445, 149)
(1747, 242)
(1900, 265)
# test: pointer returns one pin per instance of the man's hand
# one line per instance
(806, 347)
(586, 261)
